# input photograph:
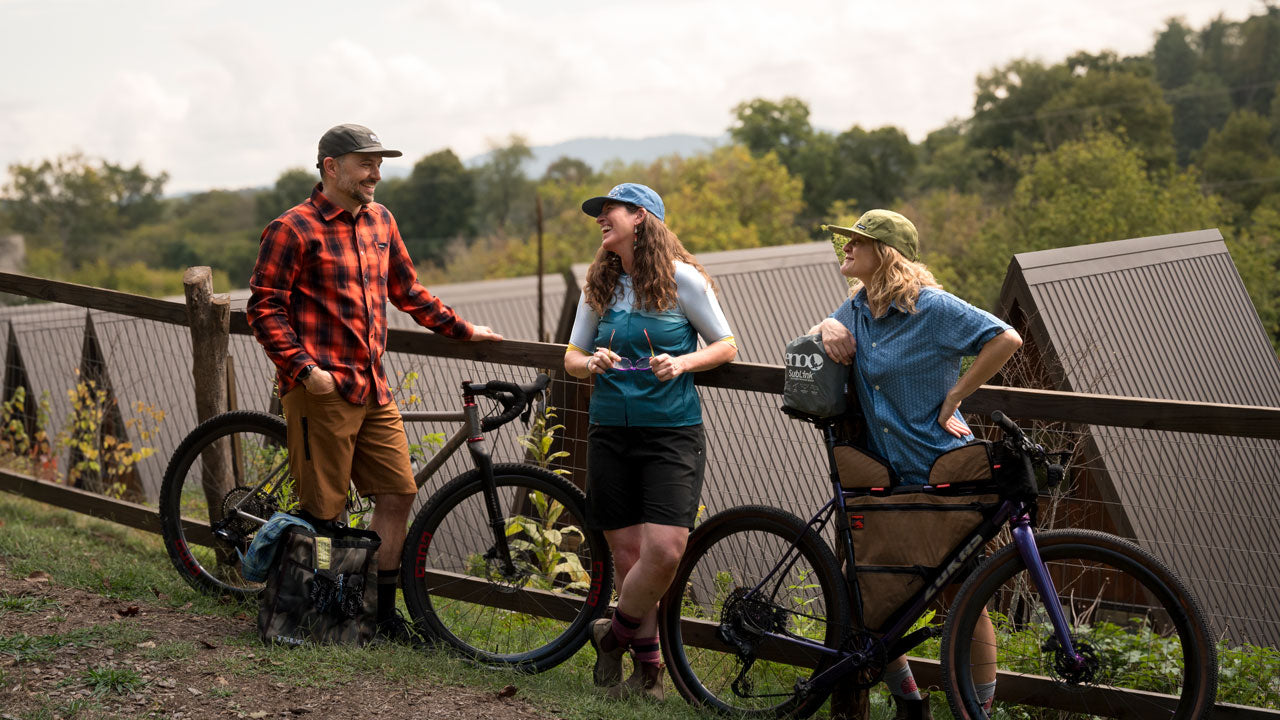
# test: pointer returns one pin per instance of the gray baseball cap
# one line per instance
(349, 138)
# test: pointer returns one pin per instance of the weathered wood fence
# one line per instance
(210, 318)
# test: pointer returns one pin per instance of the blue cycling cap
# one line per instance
(632, 193)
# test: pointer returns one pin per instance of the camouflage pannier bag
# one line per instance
(902, 534)
(322, 588)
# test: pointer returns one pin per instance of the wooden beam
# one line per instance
(1045, 692)
(94, 298)
(69, 498)
(1132, 412)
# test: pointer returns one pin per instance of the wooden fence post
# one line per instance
(209, 318)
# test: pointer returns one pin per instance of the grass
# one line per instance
(104, 680)
(127, 564)
(116, 635)
(49, 710)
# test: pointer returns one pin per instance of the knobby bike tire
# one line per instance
(251, 445)
(1125, 609)
(727, 556)
(458, 593)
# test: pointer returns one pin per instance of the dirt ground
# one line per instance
(196, 686)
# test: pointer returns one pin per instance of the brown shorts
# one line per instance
(333, 443)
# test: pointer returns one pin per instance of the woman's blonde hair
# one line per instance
(652, 273)
(897, 281)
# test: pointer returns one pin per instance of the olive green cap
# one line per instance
(886, 226)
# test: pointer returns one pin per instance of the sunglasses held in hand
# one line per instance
(626, 364)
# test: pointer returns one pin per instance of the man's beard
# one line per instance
(349, 186)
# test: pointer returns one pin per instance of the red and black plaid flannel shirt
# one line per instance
(320, 290)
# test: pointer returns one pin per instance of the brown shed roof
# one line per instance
(1168, 317)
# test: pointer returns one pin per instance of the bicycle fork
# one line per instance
(1030, 553)
(479, 451)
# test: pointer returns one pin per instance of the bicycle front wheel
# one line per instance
(1145, 647)
(751, 577)
(531, 613)
(236, 461)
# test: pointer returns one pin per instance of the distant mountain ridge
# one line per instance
(597, 151)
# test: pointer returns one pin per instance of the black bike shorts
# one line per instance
(644, 475)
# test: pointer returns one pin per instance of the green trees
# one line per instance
(71, 208)
(434, 205)
(873, 167)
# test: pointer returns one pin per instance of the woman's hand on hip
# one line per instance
(948, 420)
(837, 341)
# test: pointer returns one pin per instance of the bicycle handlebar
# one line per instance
(513, 398)
(1009, 426)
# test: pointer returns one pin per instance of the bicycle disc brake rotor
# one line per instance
(503, 581)
(1083, 672)
(244, 500)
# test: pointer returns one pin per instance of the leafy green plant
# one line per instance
(19, 449)
(801, 598)
(542, 543)
(101, 461)
(541, 438)
(1249, 675)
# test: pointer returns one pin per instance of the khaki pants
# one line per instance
(333, 443)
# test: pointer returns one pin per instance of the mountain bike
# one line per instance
(498, 563)
(762, 619)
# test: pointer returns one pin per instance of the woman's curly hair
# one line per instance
(897, 280)
(652, 274)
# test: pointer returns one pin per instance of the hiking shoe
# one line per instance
(912, 709)
(645, 682)
(396, 629)
(608, 670)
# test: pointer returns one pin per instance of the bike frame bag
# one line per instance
(902, 534)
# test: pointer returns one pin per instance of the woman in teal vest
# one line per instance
(645, 304)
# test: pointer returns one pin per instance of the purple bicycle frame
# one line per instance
(1019, 520)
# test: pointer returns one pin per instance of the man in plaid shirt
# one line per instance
(325, 271)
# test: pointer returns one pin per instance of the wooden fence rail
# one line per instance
(1130, 412)
(1048, 405)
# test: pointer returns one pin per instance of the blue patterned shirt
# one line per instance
(906, 363)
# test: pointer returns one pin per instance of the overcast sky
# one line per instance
(227, 94)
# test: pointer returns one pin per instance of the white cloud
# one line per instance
(230, 93)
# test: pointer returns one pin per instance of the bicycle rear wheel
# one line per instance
(1146, 647)
(235, 459)
(741, 577)
(532, 616)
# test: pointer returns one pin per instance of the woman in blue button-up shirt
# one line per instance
(906, 338)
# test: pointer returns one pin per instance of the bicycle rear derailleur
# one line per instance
(744, 622)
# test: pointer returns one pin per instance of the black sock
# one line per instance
(387, 594)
